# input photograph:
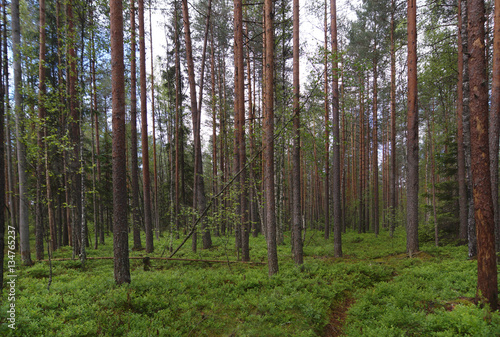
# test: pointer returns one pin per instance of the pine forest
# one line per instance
(249, 168)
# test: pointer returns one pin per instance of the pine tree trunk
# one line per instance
(480, 164)
(392, 178)
(412, 245)
(240, 147)
(494, 120)
(146, 181)
(155, 166)
(471, 224)
(327, 133)
(134, 161)
(120, 226)
(268, 139)
(298, 254)
(375, 147)
(337, 210)
(462, 182)
(21, 148)
(199, 202)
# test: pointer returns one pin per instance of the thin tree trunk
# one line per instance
(392, 178)
(327, 132)
(268, 139)
(134, 161)
(74, 133)
(471, 224)
(42, 134)
(375, 147)
(298, 254)
(240, 147)
(412, 245)
(177, 122)
(337, 210)
(494, 120)
(146, 181)
(155, 168)
(462, 182)
(199, 202)
(480, 164)
(21, 148)
(120, 227)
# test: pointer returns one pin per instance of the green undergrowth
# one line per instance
(394, 295)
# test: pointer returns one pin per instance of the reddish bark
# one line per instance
(120, 226)
(412, 245)
(483, 203)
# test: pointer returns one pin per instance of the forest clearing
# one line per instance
(246, 168)
(430, 294)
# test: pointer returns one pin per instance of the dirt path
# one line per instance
(337, 318)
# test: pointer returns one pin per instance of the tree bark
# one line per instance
(134, 171)
(392, 178)
(412, 245)
(155, 166)
(494, 120)
(240, 147)
(298, 254)
(337, 209)
(120, 227)
(462, 182)
(146, 181)
(21, 148)
(471, 225)
(268, 138)
(375, 146)
(480, 161)
(327, 133)
(199, 202)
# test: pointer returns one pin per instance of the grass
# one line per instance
(394, 295)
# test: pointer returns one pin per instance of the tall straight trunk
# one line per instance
(412, 245)
(392, 178)
(206, 237)
(93, 115)
(337, 210)
(253, 216)
(42, 134)
(298, 254)
(268, 139)
(471, 224)
(155, 166)
(462, 182)
(199, 202)
(494, 120)
(120, 227)
(146, 181)
(430, 130)
(480, 165)
(74, 132)
(134, 161)
(239, 108)
(177, 122)
(213, 105)
(21, 148)
(362, 163)
(327, 132)
(375, 147)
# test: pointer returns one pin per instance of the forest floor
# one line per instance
(374, 290)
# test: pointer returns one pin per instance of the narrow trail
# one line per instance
(337, 318)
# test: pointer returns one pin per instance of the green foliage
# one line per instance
(426, 295)
(431, 296)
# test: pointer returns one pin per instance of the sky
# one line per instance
(311, 37)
